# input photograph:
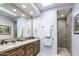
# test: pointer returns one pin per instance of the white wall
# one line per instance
(7, 22)
(25, 25)
(47, 18)
(75, 37)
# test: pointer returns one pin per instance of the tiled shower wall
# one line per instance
(64, 32)
(62, 35)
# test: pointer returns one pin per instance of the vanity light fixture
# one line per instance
(24, 6)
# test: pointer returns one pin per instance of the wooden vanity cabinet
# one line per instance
(30, 49)
(14, 52)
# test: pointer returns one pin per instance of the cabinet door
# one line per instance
(29, 52)
(36, 47)
(29, 49)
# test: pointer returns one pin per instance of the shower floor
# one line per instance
(63, 52)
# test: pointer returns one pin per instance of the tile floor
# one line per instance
(43, 54)
(62, 52)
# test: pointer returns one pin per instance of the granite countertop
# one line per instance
(9, 46)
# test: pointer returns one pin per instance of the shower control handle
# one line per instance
(52, 39)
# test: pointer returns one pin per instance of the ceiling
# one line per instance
(30, 7)
(19, 10)
(35, 8)
(62, 13)
(53, 5)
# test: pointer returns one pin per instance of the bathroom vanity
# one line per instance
(25, 48)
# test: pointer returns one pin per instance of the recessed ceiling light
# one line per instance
(62, 15)
(23, 15)
(24, 6)
(14, 10)
(46, 4)
(31, 12)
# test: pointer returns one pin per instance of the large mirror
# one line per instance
(5, 30)
(14, 21)
(76, 24)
